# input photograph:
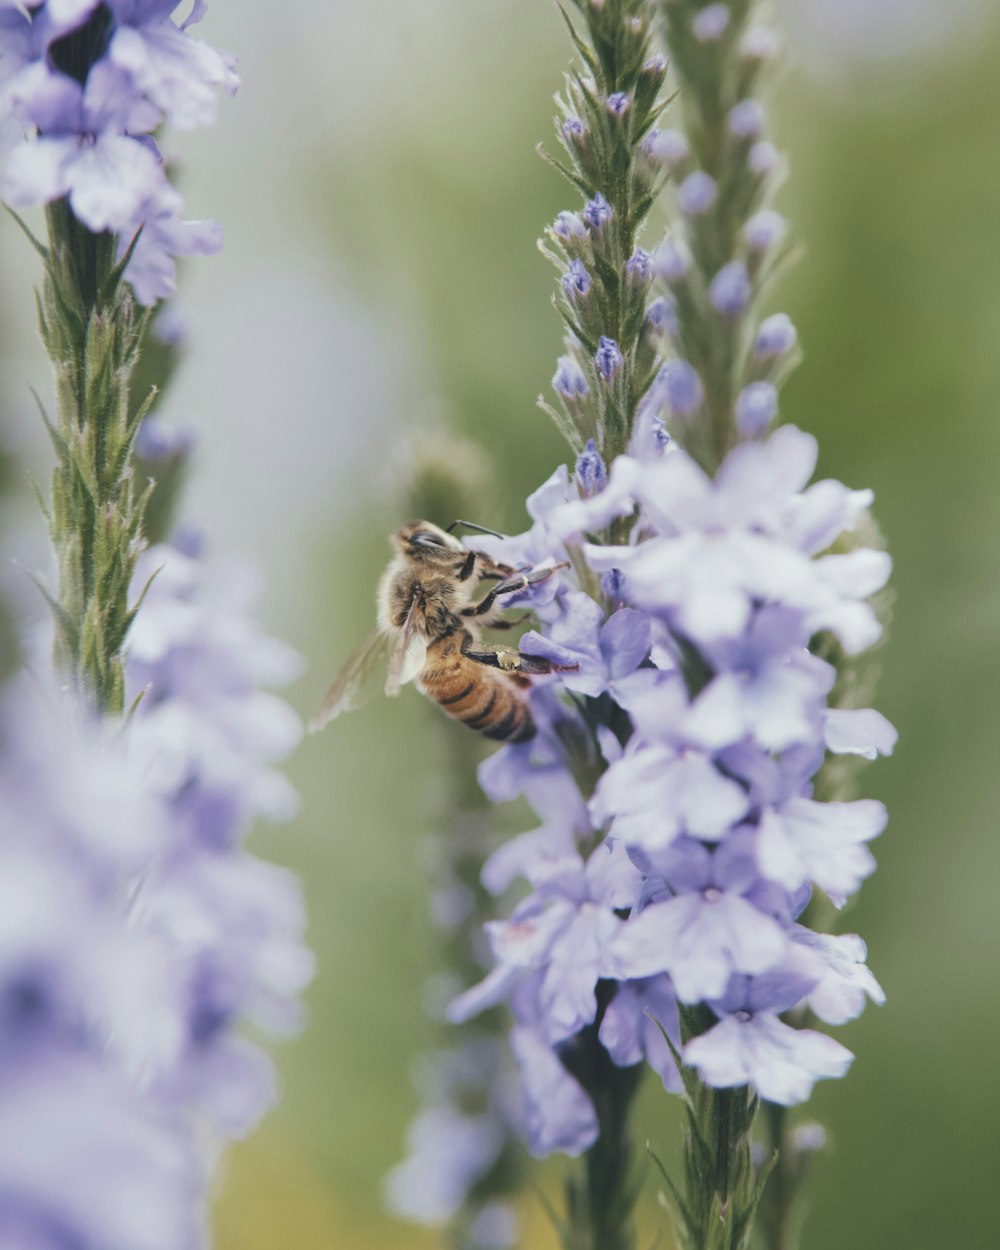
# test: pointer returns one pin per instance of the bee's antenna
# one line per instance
(471, 525)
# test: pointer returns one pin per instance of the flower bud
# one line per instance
(671, 260)
(576, 280)
(763, 157)
(776, 336)
(746, 119)
(711, 23)
(639, 268)
(667, 147)
(730, 290)
(618, 104)
(591, 473)
(662, 315)
(568, 379)
(613, 585)
(756, 406)
(597, 211)
(697, 193)
(569, 226)
(764, 231)
(682, 387)
(608, 358)
(759, 43)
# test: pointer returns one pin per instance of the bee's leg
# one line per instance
(467, 567)
(511, 661)
(512, 584)
(503, 623)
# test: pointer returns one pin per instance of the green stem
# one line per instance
(600, 1201)
(91, 328)
(722, 1188)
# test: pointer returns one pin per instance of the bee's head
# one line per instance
(422, 538)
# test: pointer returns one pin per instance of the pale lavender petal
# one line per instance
(820, 842)
(110, 180)
(846, 980)
(559, 1114)
(781, 1063)
(859, 731)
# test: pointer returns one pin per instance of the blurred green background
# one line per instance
(377, 182)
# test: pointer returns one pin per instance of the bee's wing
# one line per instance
(408, 653)
(348, 690)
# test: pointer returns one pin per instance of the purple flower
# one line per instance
(697, 193)
(597, 212)
(591, 473)
(576, 280)
(158, 441)
(746, 119)
(85, 1000)
(573, 129)
(751, 1046)
(662, 314)
(756, 408)
(759, 43)
(618, 103)
(764, 231)
(672, 261)
(559, 1115)
(605, 652)
(631, 1028)
(569, 226)
(569, 380)
(657, 792)
(820, 842)
(448, 1153)
(711, 23)
(178, 74)
(668, 146)
(210, 730)
(730, 290)
(682, 388)
(95, 81)
(608, 358)
(152, 270)
(775, 337)
(763, 157)
(640, 267)
(704, 928)
(84, 152)
(755, 1048)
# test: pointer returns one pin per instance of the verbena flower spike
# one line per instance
(139, 937)
(716, 600)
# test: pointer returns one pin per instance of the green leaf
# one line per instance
(578, 43)
(566, 173)
(675, 1193)
(39, 247)
(111, 285)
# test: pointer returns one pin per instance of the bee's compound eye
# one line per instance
(424, 538)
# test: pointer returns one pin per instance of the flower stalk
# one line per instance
(706, 628)
(92, 329)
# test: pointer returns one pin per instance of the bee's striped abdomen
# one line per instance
(485, 699)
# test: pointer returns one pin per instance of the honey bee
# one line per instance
(429, 629)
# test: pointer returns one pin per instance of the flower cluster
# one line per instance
(210, 734)
(83, 995)
(87, 83)
(680, 840)
(138, 935)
